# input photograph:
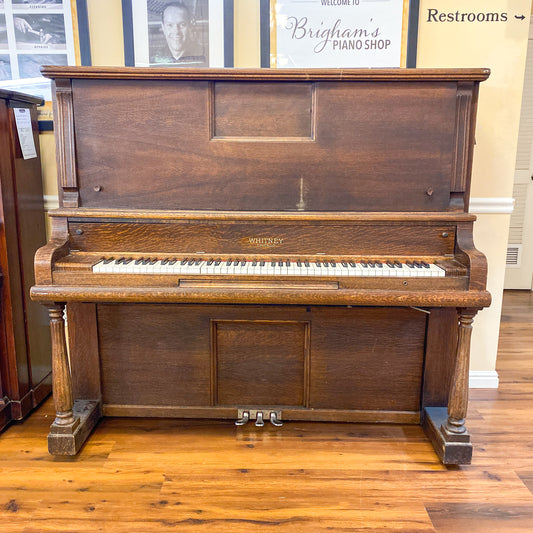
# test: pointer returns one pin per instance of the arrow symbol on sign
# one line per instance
(519, 18)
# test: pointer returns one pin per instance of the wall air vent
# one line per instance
(514, 256)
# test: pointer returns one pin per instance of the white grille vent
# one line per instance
(517, 218)
(514, 256)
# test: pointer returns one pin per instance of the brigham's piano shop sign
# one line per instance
(336, 33)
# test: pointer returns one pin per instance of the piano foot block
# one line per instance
(68, 439)
(452, 449)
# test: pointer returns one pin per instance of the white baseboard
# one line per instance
(483, 379)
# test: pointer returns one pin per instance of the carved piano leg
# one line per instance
(74, 420)
(446, 427)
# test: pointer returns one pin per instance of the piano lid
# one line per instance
(262, 74)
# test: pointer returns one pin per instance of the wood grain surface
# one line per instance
(195, 155)
(153, 475)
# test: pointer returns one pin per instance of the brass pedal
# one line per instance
(245, 415)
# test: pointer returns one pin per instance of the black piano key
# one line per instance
(243, 262)
(218, 261)
(364, 264)
(280, 263)
(333, 263)
(352, 264)
(299, 263)
(379, 264)
(228, 262)
(146, 261)
(262, 263)
(398, 264)
(318, 264)
(236, 262)
(326, 264)
(273, 263)
(185, 261)
(417, 264)
(389, 263)
(424, 264)
(108, 260)
(410, 264)
(371, 264)
(210, 261)
(254, 263)
(306, 263)
(127, 261)
(172, 261)
(139, 261)
(164, 261)
(344, 264)
(190, 262)
(198, 261)
(154, 261)
(288, 262)
(118, 261)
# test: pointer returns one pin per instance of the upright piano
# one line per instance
(263, 246)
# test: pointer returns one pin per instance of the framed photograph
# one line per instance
(184, 33)
(339, 33)
(40, 32)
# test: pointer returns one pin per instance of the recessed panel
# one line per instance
(260, 362)
(263, 110)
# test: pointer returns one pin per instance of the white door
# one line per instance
(519, 271)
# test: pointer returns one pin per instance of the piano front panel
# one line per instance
(154, 355)
(208, 360)
(350, 347)
(333, 146)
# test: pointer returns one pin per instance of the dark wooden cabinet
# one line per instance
(25, 358)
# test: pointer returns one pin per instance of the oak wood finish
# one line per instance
(153, 475)
(25, 353)
(346, 164)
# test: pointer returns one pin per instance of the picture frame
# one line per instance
(339, 33)
(184, 33)
(34, 33)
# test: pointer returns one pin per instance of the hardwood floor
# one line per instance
(165, 475)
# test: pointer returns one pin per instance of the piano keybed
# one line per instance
(304, 267)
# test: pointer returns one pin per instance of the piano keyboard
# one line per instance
(304, 267)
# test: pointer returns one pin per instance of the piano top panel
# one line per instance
(442, 74)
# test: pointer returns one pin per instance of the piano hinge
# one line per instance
(259, 415)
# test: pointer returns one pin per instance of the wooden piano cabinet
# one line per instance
(25, 356)
(368, 166)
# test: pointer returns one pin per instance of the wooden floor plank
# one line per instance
(142, 475)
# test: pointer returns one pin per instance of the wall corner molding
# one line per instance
(492, 206)
(51, 201)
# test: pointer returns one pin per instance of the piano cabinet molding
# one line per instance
(321, 267)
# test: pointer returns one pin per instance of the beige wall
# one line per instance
(500, 46)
